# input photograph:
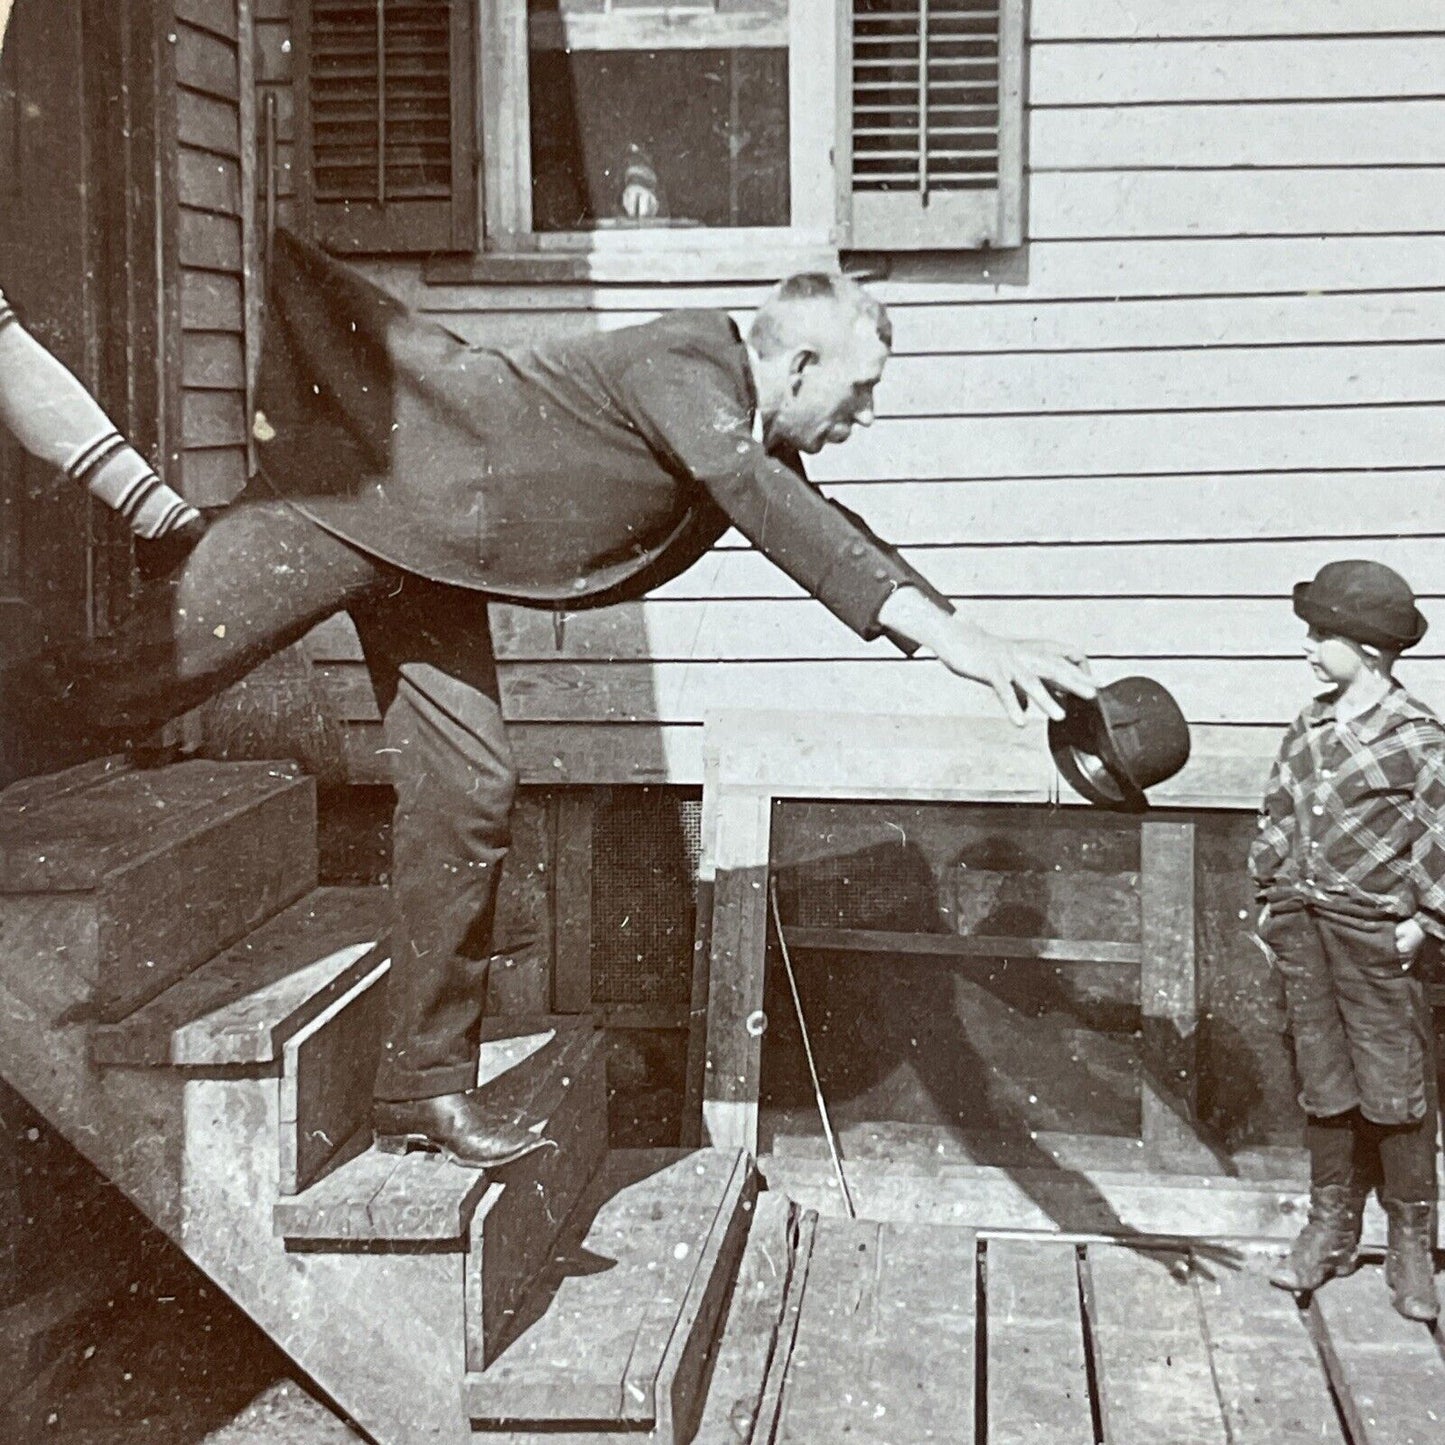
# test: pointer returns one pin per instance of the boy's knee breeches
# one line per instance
(1356, 1014)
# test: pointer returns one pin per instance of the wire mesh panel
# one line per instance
(645, 845)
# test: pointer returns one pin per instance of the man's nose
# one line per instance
(864, 417)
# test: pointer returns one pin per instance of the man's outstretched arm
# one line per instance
(1019, 672)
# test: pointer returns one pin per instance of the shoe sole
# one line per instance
(406, 1143)
(1300, 1290)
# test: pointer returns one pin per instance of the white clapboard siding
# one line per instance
(1355, 67)
(1227, 19)
(1119, 443)
(1186, 380)
(1163, 322)
(1106, 204)
(1172, 267)
(1085, 571)
(1168, 322)
(1309, 133)
(1234, 691)
(1247, 507)
(771, 630)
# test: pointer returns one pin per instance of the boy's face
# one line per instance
(1334, 659)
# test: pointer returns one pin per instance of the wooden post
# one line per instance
(691, 1130)
(737, 957)
(1168, 992)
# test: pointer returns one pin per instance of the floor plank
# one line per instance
(1037, 1380)
(879, 1299)
(750, 1330)
(1151, 1359)
(1389, 1374)
(620, 1284)
(1267, 1370)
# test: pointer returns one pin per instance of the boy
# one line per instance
(1349, 863)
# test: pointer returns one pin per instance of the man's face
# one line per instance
(830, 386)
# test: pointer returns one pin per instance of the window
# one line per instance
(661, 139)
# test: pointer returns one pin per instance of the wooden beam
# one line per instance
(1168, 990)
(735, 1018)
(696, 1066)
(963, 946)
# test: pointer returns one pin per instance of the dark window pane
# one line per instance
(704, 132)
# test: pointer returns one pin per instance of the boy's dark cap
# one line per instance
(1131, 736)
(1364, 601)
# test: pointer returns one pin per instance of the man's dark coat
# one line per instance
(572, 473)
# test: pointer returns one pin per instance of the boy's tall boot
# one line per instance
(1327, 1244)
(1410, 1259)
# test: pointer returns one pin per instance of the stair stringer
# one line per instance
(382, 1333)
(129, 1125)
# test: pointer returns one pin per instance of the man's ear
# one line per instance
(798, 364)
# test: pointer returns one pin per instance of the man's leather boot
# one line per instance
(1410, 1259)
(462, 1126)
(1326, 1245)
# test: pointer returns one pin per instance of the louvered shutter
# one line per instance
(386, 126)
(936, 138)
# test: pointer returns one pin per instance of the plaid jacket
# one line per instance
(1354, 813)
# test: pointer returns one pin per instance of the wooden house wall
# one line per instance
(212, 74)
(1218, 361)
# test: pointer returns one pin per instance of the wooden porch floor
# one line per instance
(898, 1334)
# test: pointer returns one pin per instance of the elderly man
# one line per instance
(407, 478)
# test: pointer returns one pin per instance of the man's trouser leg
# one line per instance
(259, 579)
(429, 650)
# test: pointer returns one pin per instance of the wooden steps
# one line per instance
(132, 878)
(385, 1200)
(246, 1003)
(181, 1002)
(615, 1336)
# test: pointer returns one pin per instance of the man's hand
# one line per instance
(1019, 672)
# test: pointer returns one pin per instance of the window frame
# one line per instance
(811, 32)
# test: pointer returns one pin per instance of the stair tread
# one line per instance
(628, 1277)
(242, 1005)
(422, 1198)
(65, 833)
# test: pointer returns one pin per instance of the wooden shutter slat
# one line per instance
(388, 161)
(935, 117)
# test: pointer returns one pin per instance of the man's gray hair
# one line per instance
(770, 332)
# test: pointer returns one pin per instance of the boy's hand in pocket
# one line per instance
(1409, 939)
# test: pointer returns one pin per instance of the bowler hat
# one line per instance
(1127, 738)
(1364, 601)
